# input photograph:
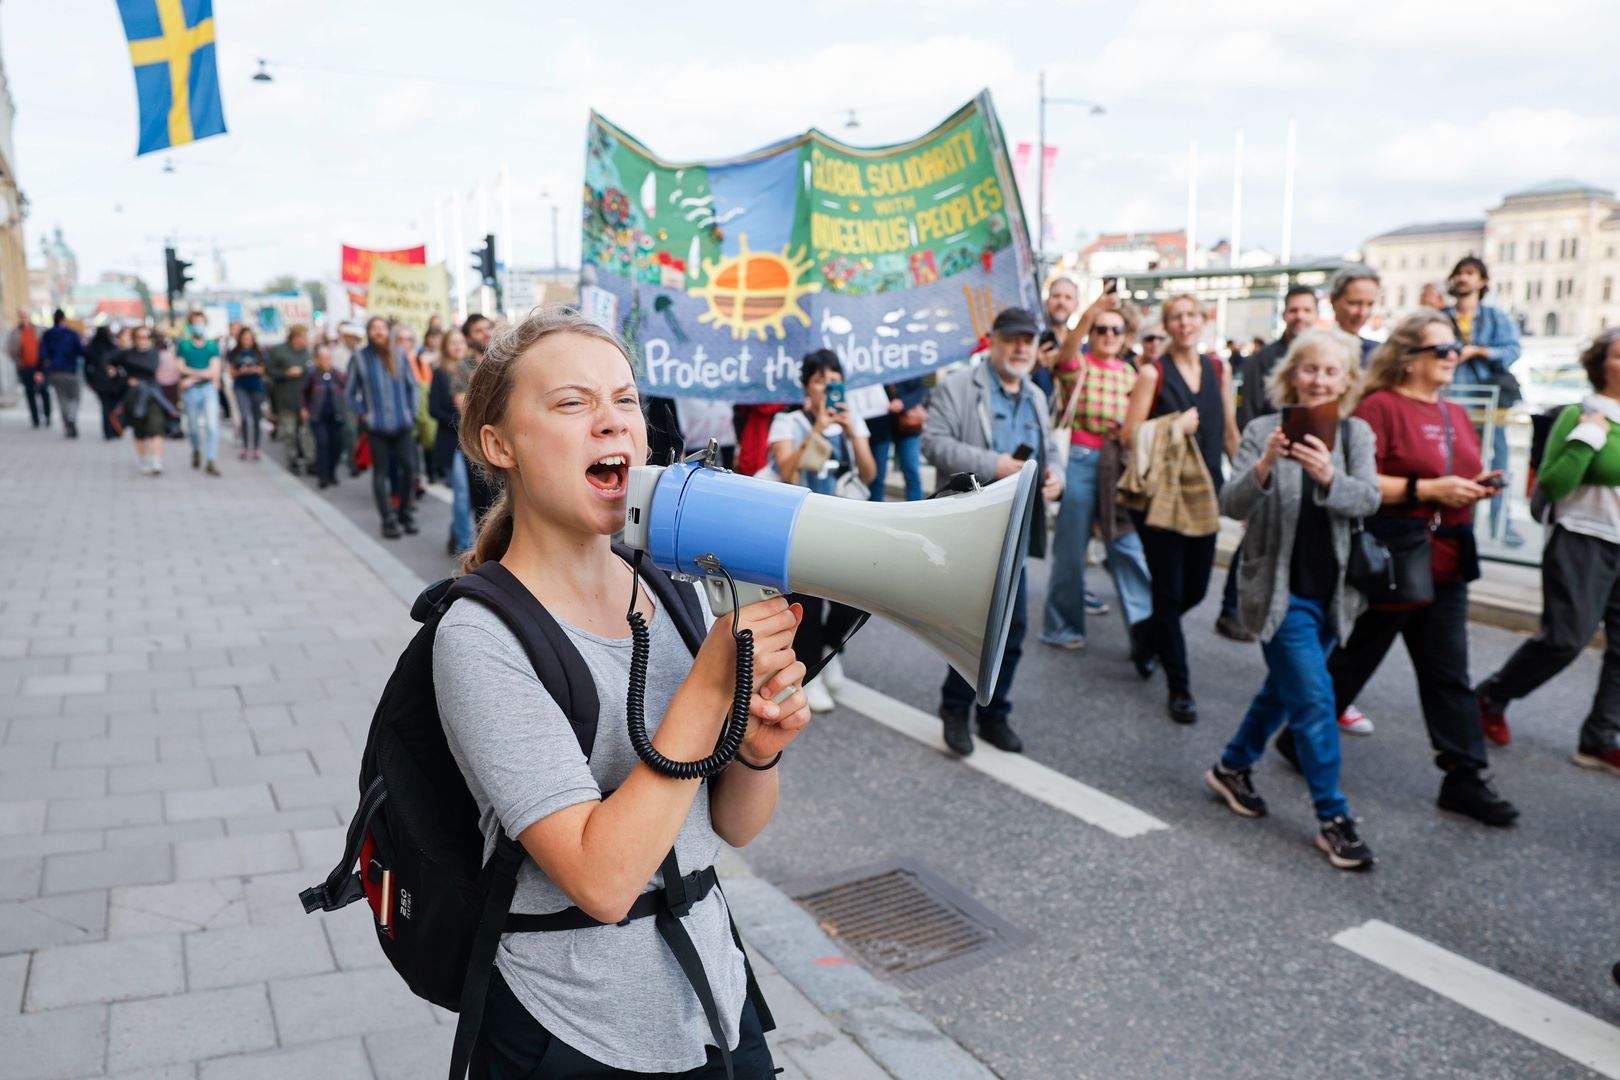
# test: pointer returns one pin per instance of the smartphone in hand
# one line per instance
(1024, 452)
(835, 396)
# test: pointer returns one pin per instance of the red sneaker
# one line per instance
(1602, 760)
(1493, 722)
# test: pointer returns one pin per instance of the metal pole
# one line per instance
(1237, 200)
(485, 302)
(438, 229)
(1040, 189)
(506, 232)
(556, 241)
(1288, 198)
(459, 260)
(1192, 203)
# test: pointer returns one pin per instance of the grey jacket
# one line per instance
(1272, 513)
(956, 437)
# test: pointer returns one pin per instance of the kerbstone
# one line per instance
(256, 953)
(62, 1042)
(104, 869)
(218, 802)
(189, 1027)
(345, 1003)
(235, 856)
(105, 971)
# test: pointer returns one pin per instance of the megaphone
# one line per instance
(946, 569)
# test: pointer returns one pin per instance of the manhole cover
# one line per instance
(906, 923)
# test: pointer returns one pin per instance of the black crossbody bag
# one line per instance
(1393, 561)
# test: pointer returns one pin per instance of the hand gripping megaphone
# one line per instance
(946, 569)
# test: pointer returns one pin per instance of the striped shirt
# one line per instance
(1106, 393)
(386, 402)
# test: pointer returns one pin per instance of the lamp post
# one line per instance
(1093, 109)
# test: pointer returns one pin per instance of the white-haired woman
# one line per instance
(1300, 499)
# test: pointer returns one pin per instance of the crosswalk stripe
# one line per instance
(1561, 1028)
(1018, 772)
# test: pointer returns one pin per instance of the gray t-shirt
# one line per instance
(615, 993)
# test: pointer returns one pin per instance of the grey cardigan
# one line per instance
(1272, 513)
(956, 437)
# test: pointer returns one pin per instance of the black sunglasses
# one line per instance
(1107, 329)
(1441, 352)
(1156, 337)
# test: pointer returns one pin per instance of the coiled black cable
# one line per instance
(736, 726)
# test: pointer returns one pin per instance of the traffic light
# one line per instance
(484, 260)
(176, 268)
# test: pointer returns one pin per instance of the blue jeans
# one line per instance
(909, 450)
(461, 522)
(958, 694)
(1298, 692)
(1064, 618)
(201, 402)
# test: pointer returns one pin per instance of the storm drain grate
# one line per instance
(906, 923)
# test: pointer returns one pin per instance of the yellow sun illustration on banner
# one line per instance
(755, 291)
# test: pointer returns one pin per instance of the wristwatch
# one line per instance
(1411, 489)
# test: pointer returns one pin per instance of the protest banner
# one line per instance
(408, 294)
(357, 264)
(724, 274)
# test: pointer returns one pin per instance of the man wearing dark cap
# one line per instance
(978, 419)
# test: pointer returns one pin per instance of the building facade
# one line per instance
(1553, 252)
(14, 292)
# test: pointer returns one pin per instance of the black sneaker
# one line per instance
(409, 525)
(1342, 845)
(1142, 657)
(1228, 627)
(1287, 751)
(1470, 792)
(957, 735)
(390, 530)
(999, 734)
(1235, 786)
(1183, 709)
(196, 459)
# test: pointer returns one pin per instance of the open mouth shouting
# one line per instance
(608, 474)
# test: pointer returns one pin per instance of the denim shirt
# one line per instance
(1494, 329)
(1013, 420)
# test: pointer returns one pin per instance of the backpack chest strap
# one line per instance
(694, 887)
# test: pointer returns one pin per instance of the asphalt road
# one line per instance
(1204, 950)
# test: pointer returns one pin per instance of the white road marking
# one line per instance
(1565, 1030)
(439, 491)
(1015, 770)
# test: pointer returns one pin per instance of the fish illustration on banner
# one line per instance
(721, 275)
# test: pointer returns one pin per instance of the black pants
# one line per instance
(1229, 595)
(1180, 566)
(826, 624)
(39, 396)
(1580, 588)
(957, 693)
(512, 1045)
(1437, 641)
(111, 398)
(386, 449)
(328, 432)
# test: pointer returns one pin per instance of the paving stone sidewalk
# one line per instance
(188, 666)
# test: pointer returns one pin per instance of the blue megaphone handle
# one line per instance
(746, 524)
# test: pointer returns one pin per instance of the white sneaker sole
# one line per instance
(1359, 726)
(1214, 784)
(821, 702)
(1339, 861)
(1596, 764)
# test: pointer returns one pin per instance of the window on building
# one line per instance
(1558, 289)
(1574, 244)
(1608, 289)
(1551, 324)
(1400, 297)
(1561, 244)
(1403, 262)
(1423, 262)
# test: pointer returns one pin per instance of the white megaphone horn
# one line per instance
(946, 568)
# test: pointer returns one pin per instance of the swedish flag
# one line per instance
(176, 78)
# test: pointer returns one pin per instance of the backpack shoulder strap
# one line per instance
(557, 663)
(678, 598)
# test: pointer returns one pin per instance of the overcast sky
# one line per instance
(382, 108)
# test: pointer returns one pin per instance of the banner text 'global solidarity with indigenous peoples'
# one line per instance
(722, 275)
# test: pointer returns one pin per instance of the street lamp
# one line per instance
(262, 75)
(851, 122)
(1092, 109)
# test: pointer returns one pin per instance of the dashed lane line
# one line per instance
(1561, 1028)
(1018, 772)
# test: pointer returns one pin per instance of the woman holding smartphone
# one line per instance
(1429, 476)
(553, 417)
(1300, 498)
(1199, 389)
(812, 447)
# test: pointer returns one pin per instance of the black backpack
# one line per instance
(439, 907)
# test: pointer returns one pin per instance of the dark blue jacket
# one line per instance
(60, 350)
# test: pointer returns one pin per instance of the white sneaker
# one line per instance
(820, 700)
(146, 467)
(157, 466)
(1354, 722)
(832, 674)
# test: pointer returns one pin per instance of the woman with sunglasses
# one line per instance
(1092, 396)
(1428, 476)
